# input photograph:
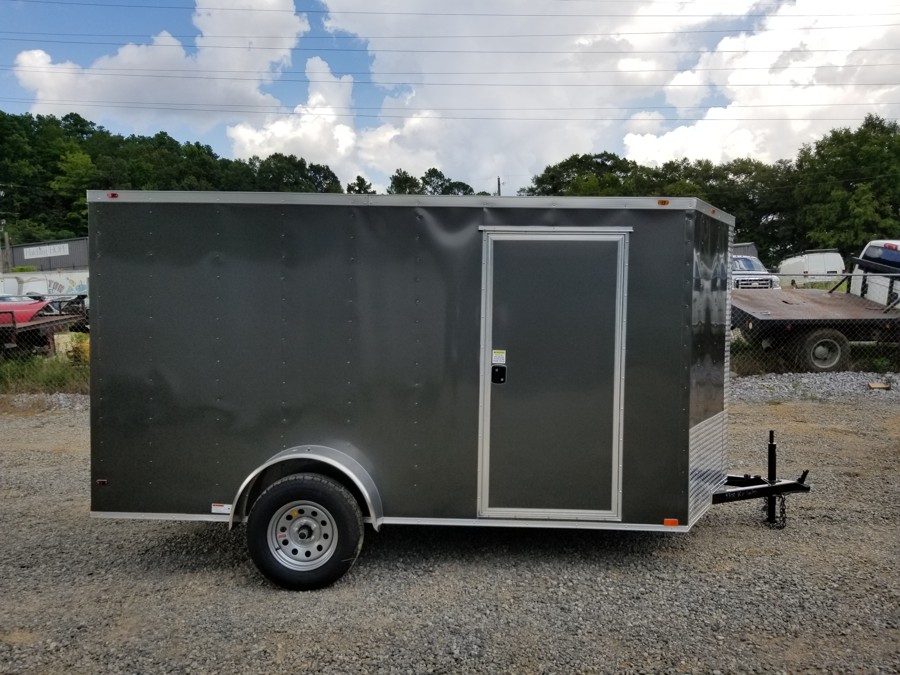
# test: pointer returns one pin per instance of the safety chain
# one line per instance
(780, 516)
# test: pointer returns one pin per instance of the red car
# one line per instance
(22, 309)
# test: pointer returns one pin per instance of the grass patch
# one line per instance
(43, 375)
(876, 358)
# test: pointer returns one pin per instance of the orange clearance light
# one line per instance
(670, 522)
(662, 202)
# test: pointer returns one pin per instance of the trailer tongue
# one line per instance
(772, 489)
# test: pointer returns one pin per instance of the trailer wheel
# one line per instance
(305, 531)
(824, 351)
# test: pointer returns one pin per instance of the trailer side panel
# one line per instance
(228, 328)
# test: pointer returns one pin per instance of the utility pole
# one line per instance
(498, 186)
(7, 251)
(4, 245)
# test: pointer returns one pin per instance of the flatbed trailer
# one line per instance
(814, 327)
(307, 363)
(35, 335)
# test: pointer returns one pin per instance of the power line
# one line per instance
(350, 50)
(326, 109)
(22, 34)
(329, 12)
(208, 74)
(253, 110)
(601, 85)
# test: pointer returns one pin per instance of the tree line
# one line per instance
(839, 192)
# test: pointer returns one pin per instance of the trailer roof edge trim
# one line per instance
(287, 198)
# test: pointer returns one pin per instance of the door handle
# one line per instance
(498, 374)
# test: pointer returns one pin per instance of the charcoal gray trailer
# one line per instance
(308, 363)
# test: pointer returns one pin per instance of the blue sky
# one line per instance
(476, 89)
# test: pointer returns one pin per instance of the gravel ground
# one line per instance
(93, 596)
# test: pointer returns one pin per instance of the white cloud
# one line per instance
(788, 83)
(645, 122)
(478, 107)
(314, 130)
(480, 90)
(184, 83)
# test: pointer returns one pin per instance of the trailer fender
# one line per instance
(316, 454)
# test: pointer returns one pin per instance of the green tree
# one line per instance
(76, 127)
(360, 187)
(604, 173)
(434, 182)
(236, 174)
(848, 186)
(47, 164)
(77, 174)
(323, 179)
(282, 173)
(403, 183)
(288, 173)
(683, 178)
(199, 167)
(458, 187)
(758, 196)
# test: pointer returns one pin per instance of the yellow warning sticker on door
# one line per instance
(498, 357)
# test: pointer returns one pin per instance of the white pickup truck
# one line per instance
(748, 272)
(876, 275)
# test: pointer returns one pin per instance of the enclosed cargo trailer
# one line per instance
(305, 363)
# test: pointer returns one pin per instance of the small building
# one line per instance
(64, 254)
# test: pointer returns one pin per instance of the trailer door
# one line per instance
(553, 339)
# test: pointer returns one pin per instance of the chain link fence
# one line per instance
(807, 323)
(793, 324)
(44, 344)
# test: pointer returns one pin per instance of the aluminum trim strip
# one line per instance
(319, 453)
(483, 387)
(453, 522)
(551, 514)
(133, 515)
(621, 238)
(474, 201)
(542, 524)
(487, 305)
(553, 230)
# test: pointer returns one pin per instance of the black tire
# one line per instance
(824, 351)
(319, 530)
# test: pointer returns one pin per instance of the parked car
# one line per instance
(24, 308)
(818, 265)
(19, 309)
(748, 272)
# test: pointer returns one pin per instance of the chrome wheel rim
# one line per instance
(825, 353)
(302, 535)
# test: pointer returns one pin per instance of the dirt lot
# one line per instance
(87, 595)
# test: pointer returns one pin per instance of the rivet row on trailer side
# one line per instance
(310, 363)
